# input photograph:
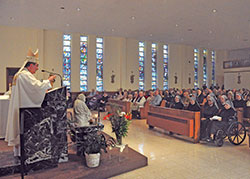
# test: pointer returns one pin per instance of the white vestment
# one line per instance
(26, 92)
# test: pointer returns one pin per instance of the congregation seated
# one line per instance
(239, 102)
(227, 114)
(210, 110)
(157, 99)
(150, 96)
(92, 93)
(137, 104)
(125, 96)
(103, 101)
(185, 99)
(168, 98)
(193, 105)
(94, 101)
(119, 94)
(177, 103)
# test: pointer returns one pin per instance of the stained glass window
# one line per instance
(67, 61)
(205, 67)
(99, 64)
(196, 63)
(154, 65)
(213, 67)
(165, 67)
(141, 65)
(83, 63)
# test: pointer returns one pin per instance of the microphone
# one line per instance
(52, 73)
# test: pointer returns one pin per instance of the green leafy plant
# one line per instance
(94, 143)
(120, 122)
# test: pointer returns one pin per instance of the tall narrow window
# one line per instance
(154, 65)
(67, 61)
(99, 64)
(141, 65)
(165, 67)
(196, 63)
(205, 67)
(83, 63)
(213, 67)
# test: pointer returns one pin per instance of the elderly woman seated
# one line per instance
(193, 105)
(82, 113)
(227, 113)
(210, 109)
(177, 103)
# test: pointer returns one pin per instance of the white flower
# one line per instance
(122, 113)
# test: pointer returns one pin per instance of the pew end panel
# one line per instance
(144, 110)
(124, 105)
(186, 123)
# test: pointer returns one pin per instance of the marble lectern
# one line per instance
(44, 132)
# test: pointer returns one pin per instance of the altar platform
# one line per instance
(112, 163)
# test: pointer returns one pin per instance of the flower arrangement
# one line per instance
(120, 122)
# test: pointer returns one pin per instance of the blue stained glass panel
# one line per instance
(99, 64)
(99, 40)
(83, 38)
(67, 61)
(83, 63)
(154, 66)
(165, 67)
(141, 59)
(66, 43)
(83, 82)
(66, 37)
(196, 62)
(99, 51)
(213, 67)
(83, 78)
(66, 49)
(141, 44)
(99, 56)
(66, 54)
(99, 46)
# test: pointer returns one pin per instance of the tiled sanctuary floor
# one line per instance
(172, 158)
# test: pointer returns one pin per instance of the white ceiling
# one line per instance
(190, 22)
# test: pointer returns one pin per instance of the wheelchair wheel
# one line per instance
(218, 139)
(236, 133)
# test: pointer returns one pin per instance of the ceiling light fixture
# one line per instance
(214, 10)
(67, 25)
(176, 25)
(78, 9)
(133, 17)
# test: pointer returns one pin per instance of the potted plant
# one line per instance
(92, 145)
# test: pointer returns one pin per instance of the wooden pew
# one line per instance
(124, 105)
(163, 103)
(144, 110)
(186, 123)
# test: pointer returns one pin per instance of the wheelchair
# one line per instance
(234, 130)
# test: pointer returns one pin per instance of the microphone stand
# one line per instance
(52, 73)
